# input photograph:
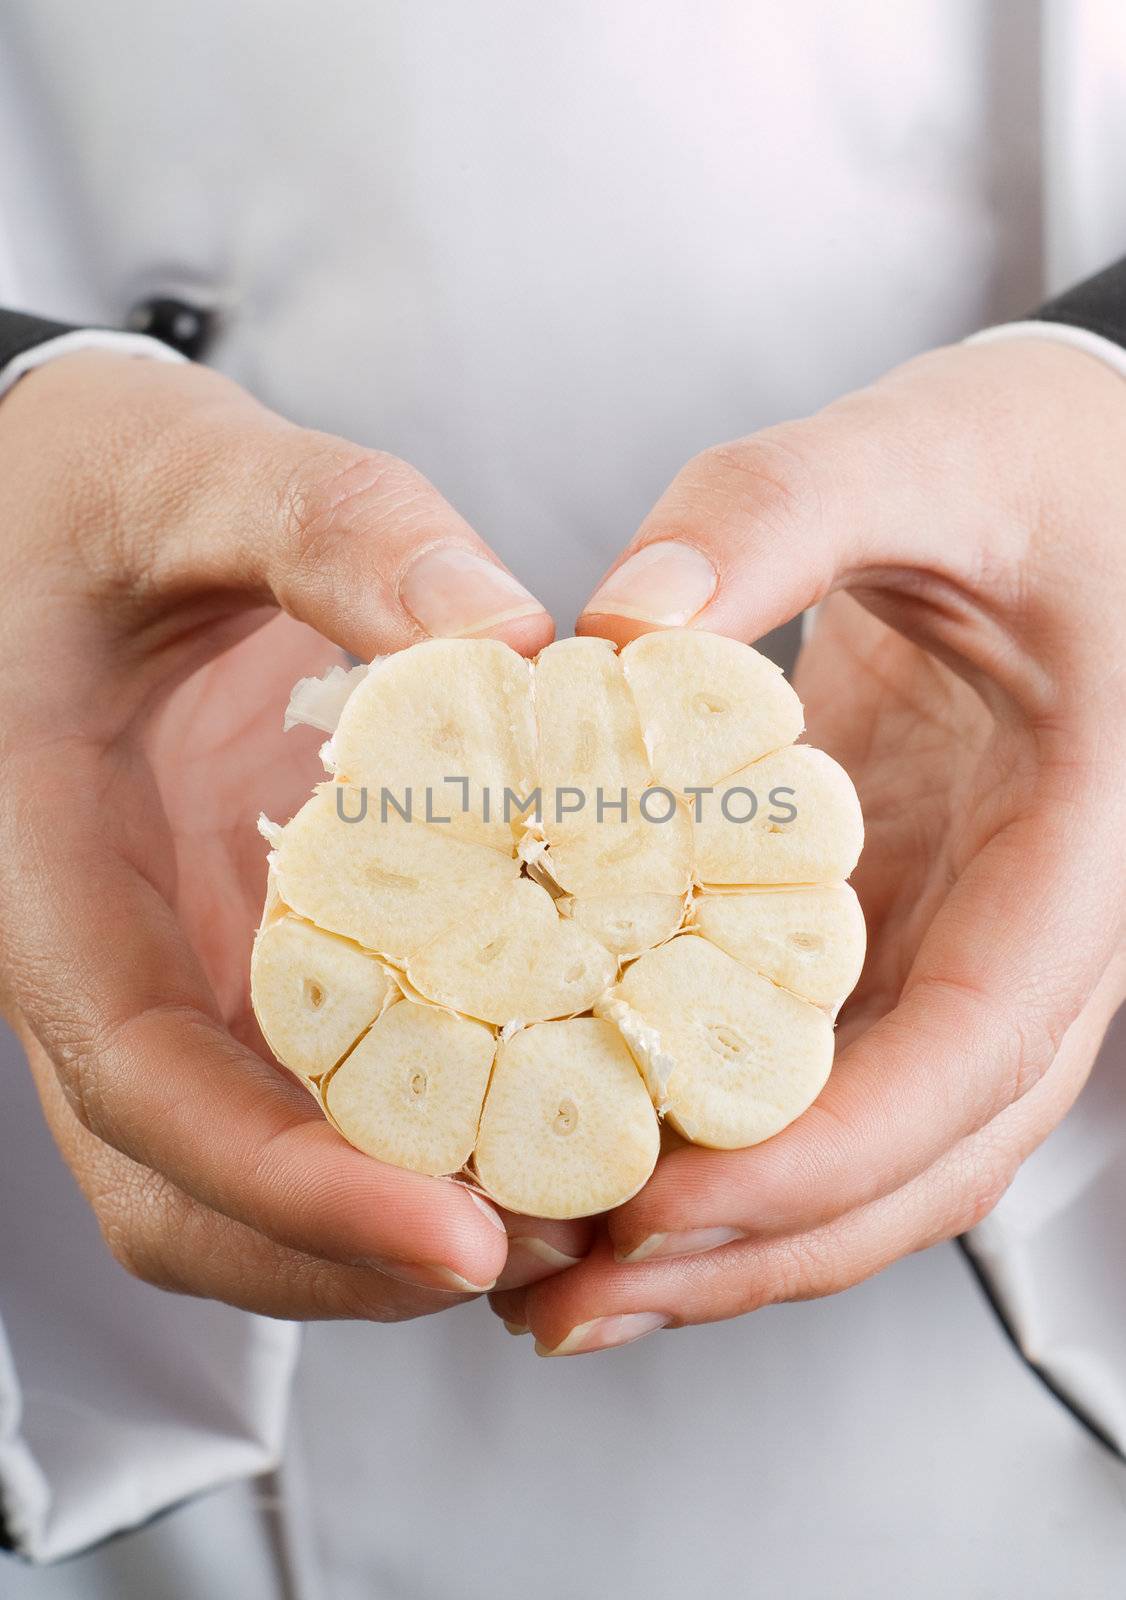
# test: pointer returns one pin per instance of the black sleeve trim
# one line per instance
(20, 332)
(1079, 1412)
(186, 328)
(1099, 305)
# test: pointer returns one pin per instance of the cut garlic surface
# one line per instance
(627, 924)
(515, 958)
(707, 705)
(743, 1058)
(568, 1129)
(589, 732)
(648, 850)
(389, 884)
(313, 993)
(450, 719)
(411, 1091)
(792, 817)
(808, 940)
(525, 995)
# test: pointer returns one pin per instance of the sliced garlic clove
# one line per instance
(649, 851)
(708, 705)
(389, 885)
(804, 823)
(734, 1058)
(627, 924)
(568, 1129)
(493, 921)
(512, 958)
(313, 993)
(447, 709)
(411, 1091)
(808, 940)
(589, 733)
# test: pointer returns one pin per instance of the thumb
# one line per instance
(215, 495)
(361, 546)
(175, 485)
(885, 492)
(746, 536)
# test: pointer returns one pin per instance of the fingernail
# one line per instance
(428, 1276)
(452, 592)
(530, 1260)
(667, 583)
(517, 1328)
(691, 1243)
(485, 1208)
(604, 1333)
(547, 1253)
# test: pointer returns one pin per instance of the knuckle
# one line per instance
(978, 1185)
(1019, 1037)
(137, 1220)
(321, 498)
(983, 1196)
(794, 1268)
(774, 475)
(353, 1294)
(163, 446)
(96, 1057)
(78, 1057)
(79, 1075)
(1029, 1044)
(133, 1255)
(807, 1268)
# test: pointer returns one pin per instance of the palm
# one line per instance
(929, 767)
(219, 758)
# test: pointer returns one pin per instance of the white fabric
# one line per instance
(1055, 1249)
(883, 1445)
(1083, 135)
(1092, 344)
(67, 344)
(127, 1400)
(547, 254)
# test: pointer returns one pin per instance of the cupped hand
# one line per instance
(961, 525)
(175, 557)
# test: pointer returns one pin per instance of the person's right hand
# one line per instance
(960, 521)
(153, 522)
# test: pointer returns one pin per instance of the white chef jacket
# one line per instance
(546, 254)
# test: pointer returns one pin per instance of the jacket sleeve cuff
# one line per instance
(1113, 355)
(47, 341)
(1090, 317)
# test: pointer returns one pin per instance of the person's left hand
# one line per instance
(971, 683)
(174, 556)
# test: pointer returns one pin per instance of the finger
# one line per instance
(1005, 968)
(211, 494)
(885, 492)
(538, 1247)
(756, 530)
(362, 547)
(707, 554)
(106, 981)
(163, 1237)
(603, 1303)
